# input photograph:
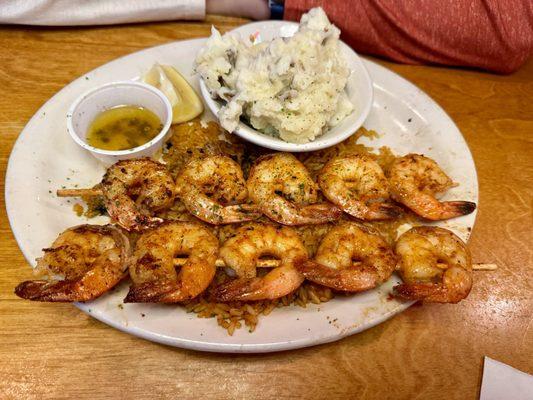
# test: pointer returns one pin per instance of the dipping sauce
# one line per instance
(123, 128)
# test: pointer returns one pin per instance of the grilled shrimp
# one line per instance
(152, 270)
(284, 190)
(333, 265)
(134, 189)
(212, 189)
(242, 252)
(423, 252)
(414, 181)
(91, 259)
(357, 185)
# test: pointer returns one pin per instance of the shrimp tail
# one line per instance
(237, 289)
(428, 292)
(159, 292)
(463, 207)
(414, 291)
(451, 209)
(151, 292)
(37, 290)
(352, 279)
(61, 292)
(380, 211)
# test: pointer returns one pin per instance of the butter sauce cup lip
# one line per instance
(78, 104)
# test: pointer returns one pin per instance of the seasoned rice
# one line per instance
(238, 314)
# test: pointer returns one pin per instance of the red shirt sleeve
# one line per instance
(496, 35)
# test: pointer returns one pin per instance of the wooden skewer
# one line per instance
(78, 192)
(265, 263)
(484, 267)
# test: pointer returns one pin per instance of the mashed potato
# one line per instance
(292, 88)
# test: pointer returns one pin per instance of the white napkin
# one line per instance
(500, 381)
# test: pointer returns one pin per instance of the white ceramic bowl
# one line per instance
(90, 104)
(359, 89)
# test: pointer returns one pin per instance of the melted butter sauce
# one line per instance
(123, 128)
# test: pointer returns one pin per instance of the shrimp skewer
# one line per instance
(414, 181)
(242, 252)
(152, 270)
(333, 265)
(435, 265)
(91, 258)
(133, 190)
(213, 188)
(285, 192)
(357, 185)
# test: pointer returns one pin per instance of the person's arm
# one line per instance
(495, 35)
(254, 9)
(107, 12)
(101, 12)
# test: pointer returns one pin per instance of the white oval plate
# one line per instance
(45, 158)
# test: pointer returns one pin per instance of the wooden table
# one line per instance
(430, 352)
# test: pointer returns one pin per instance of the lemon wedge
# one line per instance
(186, 104)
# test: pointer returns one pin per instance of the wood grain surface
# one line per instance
(54, 351)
